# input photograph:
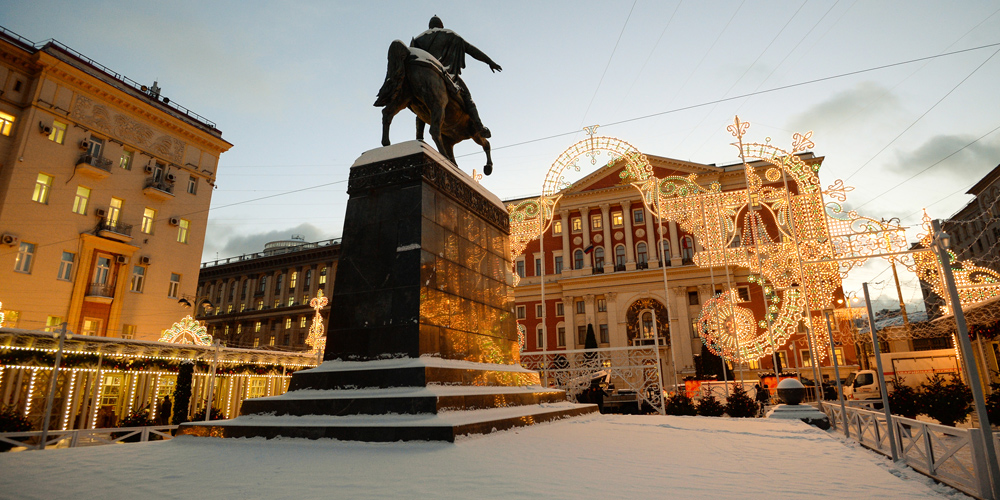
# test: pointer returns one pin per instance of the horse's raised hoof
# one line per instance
(488, 169)
(485, 134)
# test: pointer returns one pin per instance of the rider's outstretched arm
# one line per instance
(480, 56)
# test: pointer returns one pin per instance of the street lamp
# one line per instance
(941, 243)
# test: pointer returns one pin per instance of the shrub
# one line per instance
(740, 405)
(216, 415)
(137, 418)
(680, 404)
(12, 420)
(947, 402)
(905, 400)
(710, 407)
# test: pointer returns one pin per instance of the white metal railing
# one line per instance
(86, 437)
(948, 454)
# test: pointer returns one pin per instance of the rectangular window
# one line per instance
(581, 335)
(182, 231)
(806, 359)
(53, 323)
(692, 298)
(114, 211)
(66, 266)
(58, 134)
(302, 321)
(277, 303)
(80, 202)
(138, 277)
(580, 307)
(540, 338)
(839, 351)
(520, 268)
(43, 186)
(6, 123)
(256, 326)
(271, 340)
(256, 342)
(25, 257)
(538, 267)
(783, 359)
(291, 301)
(260, 305)
(638, 216)
(521, 312)
(293, 279)
(561, 336)
(148, 216)
(112, 389)
(560, 309)
(288, 323)
(596, 223)
(96, 147)
(556, 228)
(125, 162)
(102, 270)
(192, 185)
(617, 219)
(604, 335)
(743, 292)
(91, 327)
(602, 305)
(538, 310)
(577, 223)
(322, 276)
(695, 329)
(128, 331)
(558, 264)
(175, 285)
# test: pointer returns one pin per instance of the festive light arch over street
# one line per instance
(187, 331)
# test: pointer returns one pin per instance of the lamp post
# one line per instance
(941, 242)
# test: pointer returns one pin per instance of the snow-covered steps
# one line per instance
(401, 372)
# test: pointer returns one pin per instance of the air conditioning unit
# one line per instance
(8, 239)
(85, 144)
(121, 259)
(174, 221)
(44, 129)
(171, 177)
(144, 260)
(148, 169)
(100, 213)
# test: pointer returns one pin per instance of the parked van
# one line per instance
(910, 368)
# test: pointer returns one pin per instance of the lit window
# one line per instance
(602, 305)
(10, 318)
(182, 231)
(638, 216)
(260, 305)
(617, 219)
(538, 310)
(302, 321)
(80, 202)
(577, 224)
(560, 309)
(291, 301)
(271, 341)
(521, 312)
(288, 323)
(293, 279)
(138, 277)
(806, 359)
(66, 266)
(192, 185)
(148, 216)
(114, 211)
(53, 323)
(277, 303)
(175, 284)
(128, 331)
(322, 276)
(256, 326)
(256, 342)
(58, 134)
(92, 327)
(25, 256)
(556, 227)
(125, 162)
(596, 223)
(6, 123)
(43, 185)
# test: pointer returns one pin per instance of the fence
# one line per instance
(948, 454)
(85, 437)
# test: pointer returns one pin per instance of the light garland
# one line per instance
(1, 314)
(69, 399)
(317, 334)
(145, 356)
(31, 391)
(187, 331)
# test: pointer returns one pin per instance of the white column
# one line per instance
(685, 354)
(585, 223)
(616, 332)
(609, 247)
(629, 246)
(569, 320)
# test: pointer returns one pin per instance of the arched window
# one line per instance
(246, 289)
(599, 257)
(664, 253)
(640, 253)
(262, 285)
(647, 325)
(620, 256)
(578, 259)
(687, 248)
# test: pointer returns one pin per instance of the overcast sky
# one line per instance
(291, 85)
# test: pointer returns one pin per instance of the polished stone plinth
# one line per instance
(422, 339)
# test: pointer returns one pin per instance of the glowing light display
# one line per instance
(317, 334)
(187, 331)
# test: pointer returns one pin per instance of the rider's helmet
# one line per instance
(435, 23)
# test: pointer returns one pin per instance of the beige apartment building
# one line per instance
(105, 186)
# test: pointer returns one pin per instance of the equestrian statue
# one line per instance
(425, 77)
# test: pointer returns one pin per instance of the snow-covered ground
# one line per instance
(596, 456)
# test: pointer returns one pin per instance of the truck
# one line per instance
(910, 368)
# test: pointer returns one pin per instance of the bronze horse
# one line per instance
(415, 79)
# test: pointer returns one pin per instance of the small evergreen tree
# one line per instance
(740, 404)
(680, 404)
(216, 415)
(12, 420)
(947, 402)
(905, 400)
(182, 394)
(710, 407)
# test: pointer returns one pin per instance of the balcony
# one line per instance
(619, 268)
(158, 189)
(102, 293)
(665, 263)
(94, 166)
(642, 265)
(114, 230)
(598, 270)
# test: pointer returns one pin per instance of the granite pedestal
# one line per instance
(422, 340)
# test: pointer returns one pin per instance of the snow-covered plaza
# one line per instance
(596, 456)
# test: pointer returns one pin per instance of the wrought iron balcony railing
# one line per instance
(598, 270)
(117, 227)
(159, 185)
(101, 290)
(642, 265)
(619, 268)
(95, 161)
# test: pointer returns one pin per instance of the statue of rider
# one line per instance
(450, 49)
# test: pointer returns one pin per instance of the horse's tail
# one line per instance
(394, 74)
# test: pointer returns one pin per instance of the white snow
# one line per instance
(596, 456)
(407, 248)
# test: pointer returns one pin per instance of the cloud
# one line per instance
(220, 239)
(863, 104)
(971, 162)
